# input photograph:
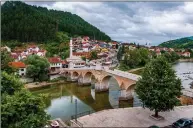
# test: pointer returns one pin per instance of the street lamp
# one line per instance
(76, 110)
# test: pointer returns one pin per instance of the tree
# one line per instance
(37, 67)
(23, 110)
(159, 87)
(175, 56)
(93, 55)
(83, 58)
(167, 56)
(10, 84)
(62, 37)
(19, 107)
(5, 60)
(144, 56)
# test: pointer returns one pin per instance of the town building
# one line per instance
(186, 54)
(55, 64)
(20, 66)
(6, 48)
(33, 48)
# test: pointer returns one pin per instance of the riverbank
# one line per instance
(186, 60)
(134, 117)
(37, 85)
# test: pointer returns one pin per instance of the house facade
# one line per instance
(55, 64)
(20, 66)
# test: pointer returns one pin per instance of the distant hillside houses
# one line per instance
(158, 49)
(19, 54)
(85, 44)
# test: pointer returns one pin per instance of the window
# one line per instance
(22, 69)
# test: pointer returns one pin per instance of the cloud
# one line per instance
(140, 22)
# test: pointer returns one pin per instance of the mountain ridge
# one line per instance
(185, 42)
(24, 23)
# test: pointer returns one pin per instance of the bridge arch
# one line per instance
(66, 73)
(130, 90)
(75, 74)
(88, 77)
(105, 81)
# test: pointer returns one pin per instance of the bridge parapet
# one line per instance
(124, 74)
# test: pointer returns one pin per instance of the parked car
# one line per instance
(183, 123)
(153, 126)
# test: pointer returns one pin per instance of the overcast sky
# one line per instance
(142, 22)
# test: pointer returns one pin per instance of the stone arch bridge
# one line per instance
(100, 78)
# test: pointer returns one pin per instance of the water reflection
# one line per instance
(61, 98)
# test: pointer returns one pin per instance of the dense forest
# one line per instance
(186, 42)
(26, 23)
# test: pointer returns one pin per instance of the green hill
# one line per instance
(27, 23)
(186, 42)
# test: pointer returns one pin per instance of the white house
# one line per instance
(186, 54)
(41, 53)
(55, 64)
(20, 66)
(7, 48)
(33, 48)
(85, 48)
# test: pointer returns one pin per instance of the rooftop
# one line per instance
(17, 64)
(54, 60)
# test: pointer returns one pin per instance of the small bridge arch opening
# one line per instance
(75, 74)
(66, 73)
(107, 80)
(88, 77)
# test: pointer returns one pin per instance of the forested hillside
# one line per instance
(186, 42)
(26, 23)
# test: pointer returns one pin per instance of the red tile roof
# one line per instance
(54, 60)
(17, 64)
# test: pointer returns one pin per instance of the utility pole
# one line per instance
(76, 110)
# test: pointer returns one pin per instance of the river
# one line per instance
(184, 70)
(60, 102)
(61, 99)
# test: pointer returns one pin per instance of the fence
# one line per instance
(99, 109)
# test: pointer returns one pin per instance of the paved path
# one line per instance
(134, 117)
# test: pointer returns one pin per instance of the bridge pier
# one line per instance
(99, 88)
(81, 81)
(126, 95)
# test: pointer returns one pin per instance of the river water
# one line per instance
(61, 98)
(184, 70)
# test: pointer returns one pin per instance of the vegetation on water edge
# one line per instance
(139, 57)
(19, 107)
